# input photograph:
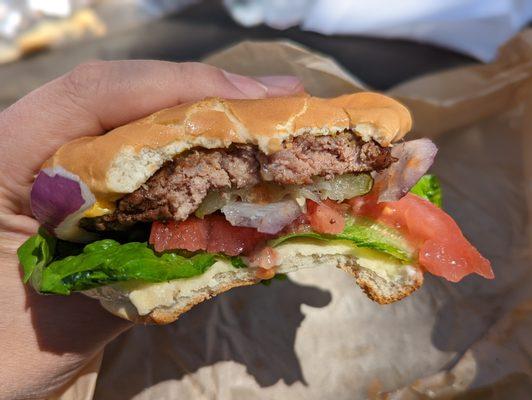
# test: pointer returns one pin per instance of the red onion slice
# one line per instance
(58, 199)
(268, 218)
(414, 159)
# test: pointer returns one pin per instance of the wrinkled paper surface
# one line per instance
(317, 336)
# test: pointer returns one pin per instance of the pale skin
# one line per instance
(46, 340)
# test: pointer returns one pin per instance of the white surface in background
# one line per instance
(11, 20)
(56, 8)
(19, 15)
(473, 27)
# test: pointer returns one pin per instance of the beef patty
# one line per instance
(177, 189)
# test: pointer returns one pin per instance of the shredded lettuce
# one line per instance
(428, 187)
(362, 233)
(102, 263)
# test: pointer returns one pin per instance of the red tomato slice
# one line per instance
(213, 234)
(232, 240)
(443, 249)
(325, 218)
(453, 259)
(367, 206)
(191, 235)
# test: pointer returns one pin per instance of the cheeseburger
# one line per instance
(165, 212)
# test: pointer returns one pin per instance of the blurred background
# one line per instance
(381, 42)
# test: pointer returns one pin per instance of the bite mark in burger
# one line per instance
(199, 198)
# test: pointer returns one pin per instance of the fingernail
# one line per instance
(281, 83)
(248, 86)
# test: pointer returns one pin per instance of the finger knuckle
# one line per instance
(191, 70)
(86, 79)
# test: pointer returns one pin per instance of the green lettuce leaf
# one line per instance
(428, 187)
(237, 262)
(276, 277)
(362, 233)
(102, 263)
(35, 253)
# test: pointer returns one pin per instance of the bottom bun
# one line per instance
(382, 278)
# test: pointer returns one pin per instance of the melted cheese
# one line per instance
(384, 266)
(148, 296)
(99, 208)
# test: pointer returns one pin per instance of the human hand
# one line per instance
(46, 340)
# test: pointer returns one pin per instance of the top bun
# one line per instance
(120, 161)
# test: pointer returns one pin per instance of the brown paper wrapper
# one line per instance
(317, 336)
(83, 386)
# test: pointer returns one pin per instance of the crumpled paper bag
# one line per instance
(316, 335)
